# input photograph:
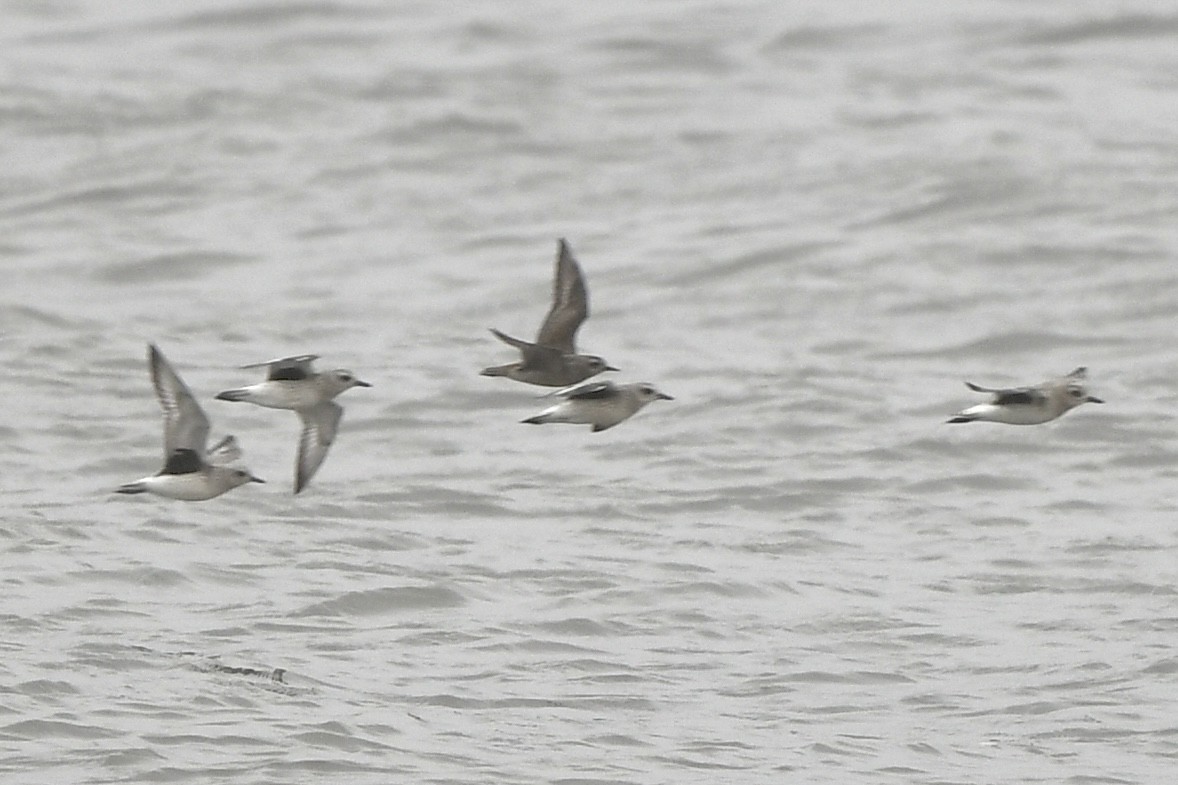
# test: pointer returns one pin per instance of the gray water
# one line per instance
(807, 221)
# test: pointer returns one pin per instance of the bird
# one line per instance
(191, 473)
(600, 404)
(291, 383)
(1030, 405)
(553, 361)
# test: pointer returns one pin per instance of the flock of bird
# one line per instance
(193, 471)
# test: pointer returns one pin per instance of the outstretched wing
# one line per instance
(589, 391)
(320, 424)
(1012, 395)
(570, 304)
(536, 357)
(507, 339)
(224, 452)
(287, 368)
(185, 425)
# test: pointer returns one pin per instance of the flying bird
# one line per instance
(191, 473)
(600, 404)
(553, 361)
(291, 383)
(1030, 405)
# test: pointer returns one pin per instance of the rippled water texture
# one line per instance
(808, 221)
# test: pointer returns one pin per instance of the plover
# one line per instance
(600, 404)
(552, 361)
(292, 384)
(191, 473)
(1029, 405)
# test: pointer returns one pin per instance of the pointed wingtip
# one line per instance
(564, 251)
(958, 419)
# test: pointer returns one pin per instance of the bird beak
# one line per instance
(665, 397)
(1094, 399)
(611, 368)
(256, 479)
(362, 384)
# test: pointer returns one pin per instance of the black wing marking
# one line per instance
(1013, 395)
(288, 373)
(1020, 396)
(287, 368)
(183, 461)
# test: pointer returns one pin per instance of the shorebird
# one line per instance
(291, 383)
(600, 404)
(552, 361)
(1029, 405)
(191, 473)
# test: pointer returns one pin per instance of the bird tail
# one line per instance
(132, 487)
(232, 395)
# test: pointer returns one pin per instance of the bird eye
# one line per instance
(1076, 392)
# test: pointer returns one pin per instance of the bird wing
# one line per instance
(1011, 395)
(536, 357)
(1023, 395)
(589, 391)
(287, 368)
(182, 461)
(223, 452)
(570, 304)
(320, 424)
(507, 339)
(185, 425)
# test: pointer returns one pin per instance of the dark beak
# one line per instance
(256, 479)
(1094, 399)
(665, 397)
(611, 368)
(362, 384)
